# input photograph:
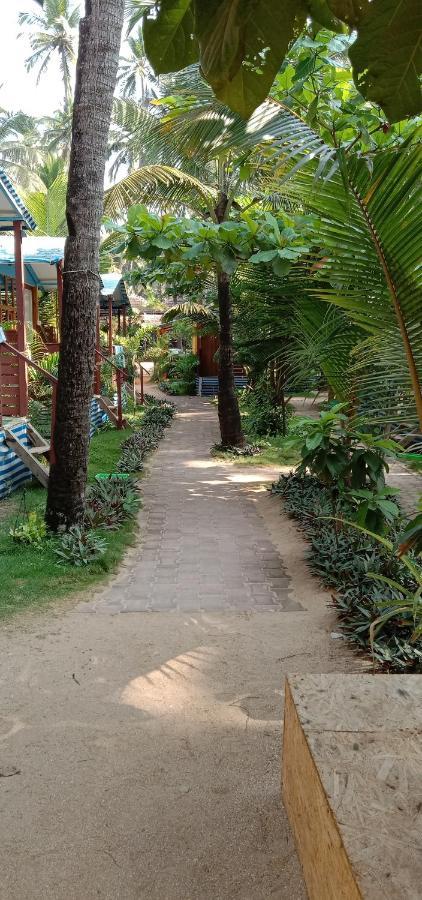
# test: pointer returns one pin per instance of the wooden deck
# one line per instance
(352, 784)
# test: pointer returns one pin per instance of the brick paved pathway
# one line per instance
(203, 544)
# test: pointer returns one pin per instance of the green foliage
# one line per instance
(375, 508)
(109, 502)
(32, 530)
(48, 208)
(177, 387)
(131, 460)
(411, 537)
(79, 547)
(240, 55)
(197, 245)
(261, 413)
(376, 593)
(134, 449)
(338, 452)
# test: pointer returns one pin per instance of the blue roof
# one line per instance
(12, 208)
(41, 254)
(110, 282)
(114, 286)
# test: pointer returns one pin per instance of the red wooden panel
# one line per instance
(208, 346)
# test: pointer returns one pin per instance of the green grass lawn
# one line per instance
(273, 453)
(31, 576)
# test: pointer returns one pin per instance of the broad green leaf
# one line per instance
(259, 37)
(387, 56)
(321, 13)
(263, 256)
(168, 38)
(314, 441)
(219, 27)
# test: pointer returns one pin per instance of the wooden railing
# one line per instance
(142, 370)
(5, 347)
(121, 376)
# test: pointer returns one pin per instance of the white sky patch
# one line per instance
(19, 88)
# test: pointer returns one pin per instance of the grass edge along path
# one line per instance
(31, 576)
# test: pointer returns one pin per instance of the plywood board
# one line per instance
(352, 783)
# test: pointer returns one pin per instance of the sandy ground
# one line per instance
(140, 752)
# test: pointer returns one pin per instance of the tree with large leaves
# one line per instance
(207, 159)
(55, 36)
(98, 57)
(241, 46)
(193, 247)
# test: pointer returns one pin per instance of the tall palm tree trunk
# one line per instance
(98, 57)
(228, 406)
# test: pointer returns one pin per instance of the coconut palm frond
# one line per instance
(161, 187)
(48, 207)
(371, 236)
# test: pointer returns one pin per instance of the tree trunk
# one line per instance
(98, 57)
(228, 406)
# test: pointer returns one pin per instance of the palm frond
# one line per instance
(161, 187)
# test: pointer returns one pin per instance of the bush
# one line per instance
(79, 547)
(134, 448)
(355, 564)
(109, 502)
(31, 531)
(260, 412)
(178, 388)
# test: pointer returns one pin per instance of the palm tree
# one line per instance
(216, 164)
(21, 151)
(368, 210)
(55, 36)
(57, 132)
(98, 59)
(48, 205)
(136, 78)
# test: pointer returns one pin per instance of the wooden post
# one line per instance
(119, 399)
(35, 312)
(20, 314)
(142, 386)
(97, 378)
(124, 321)
(60, 294)
(110, 326)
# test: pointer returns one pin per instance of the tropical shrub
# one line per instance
(32, 530)
(110, 501)
(80, 547)
(261, 414)
(377, 595)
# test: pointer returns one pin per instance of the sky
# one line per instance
(18, 89)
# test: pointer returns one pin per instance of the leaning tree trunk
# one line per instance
(96, 73)
(228, 406)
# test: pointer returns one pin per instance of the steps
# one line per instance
(29, 455)
(111, 409)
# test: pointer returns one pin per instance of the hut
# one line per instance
(206, 345)
(29, 268)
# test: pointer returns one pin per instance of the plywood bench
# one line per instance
(352, 784)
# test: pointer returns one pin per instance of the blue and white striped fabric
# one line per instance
(98, 417)
(13, 473)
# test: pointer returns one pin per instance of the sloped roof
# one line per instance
(12, 208)
(40, 254)
(114, 286)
